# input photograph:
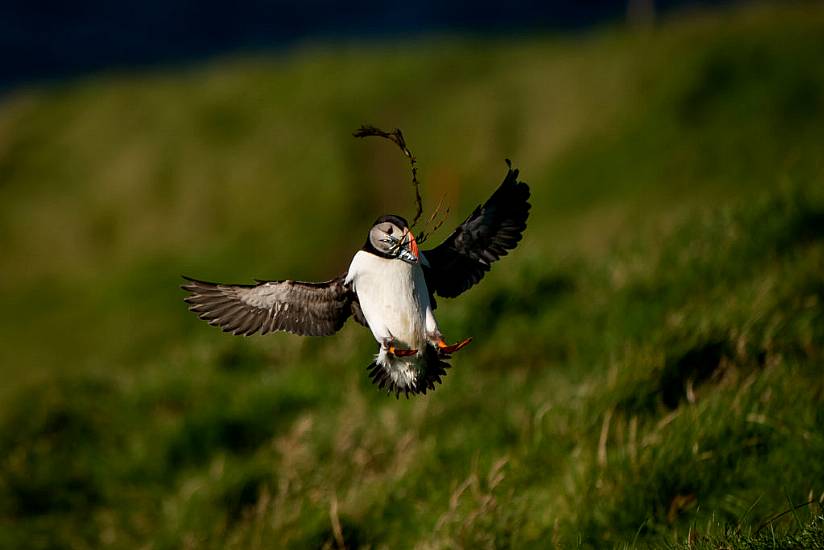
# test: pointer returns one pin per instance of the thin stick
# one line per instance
(423, 236)
(396, 137)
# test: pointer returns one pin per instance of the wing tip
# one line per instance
(511, 173)
(189, 286)
(512, 180)
(193, 285)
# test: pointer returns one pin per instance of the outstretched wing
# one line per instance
(490, 232)
(310, 309)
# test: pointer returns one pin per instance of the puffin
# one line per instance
(390, 288)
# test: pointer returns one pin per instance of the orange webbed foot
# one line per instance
(446, 349)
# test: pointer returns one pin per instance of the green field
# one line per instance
(647, 367)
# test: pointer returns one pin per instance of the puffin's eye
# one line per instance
(389, 230)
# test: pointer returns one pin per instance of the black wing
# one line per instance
(310, 309)
(492, 230)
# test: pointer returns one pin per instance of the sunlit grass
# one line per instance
(646, 366)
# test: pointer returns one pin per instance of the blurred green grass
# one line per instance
(647, 368)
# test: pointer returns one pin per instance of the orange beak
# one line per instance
(413, 245)
(409, 248)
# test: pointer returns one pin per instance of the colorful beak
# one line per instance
(409, 250)
(413, 245)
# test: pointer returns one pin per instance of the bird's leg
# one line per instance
(389, 345)
(444, 348)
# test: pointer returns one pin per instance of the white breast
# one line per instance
(393, 298)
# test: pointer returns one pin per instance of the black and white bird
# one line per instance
(390, 287)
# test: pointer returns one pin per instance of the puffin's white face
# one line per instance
(391, 240)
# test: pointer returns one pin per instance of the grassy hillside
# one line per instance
(647, 365)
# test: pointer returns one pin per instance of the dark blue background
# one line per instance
(47, 39)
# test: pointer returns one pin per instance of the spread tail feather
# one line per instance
(415, 374)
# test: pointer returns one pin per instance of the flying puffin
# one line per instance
(390, 288)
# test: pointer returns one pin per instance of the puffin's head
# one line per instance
(390, 237)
